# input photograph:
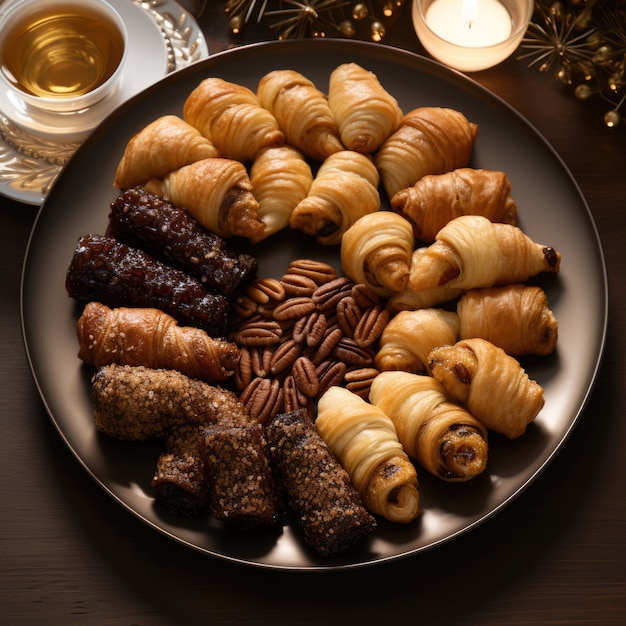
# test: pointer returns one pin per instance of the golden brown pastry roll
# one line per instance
(218, 193)
(328, 508)
(302, 112)
(162, 146)
(365, 442)
(409, 337)
(150, 337)
(231, 117)
(344, 189)
(436, 199)
(280, 178)
(471, 252)
(366, 114)
(413, 297)
(446, 440)
(492, 385)
(516, 318)
(428, 140)
(376, 251)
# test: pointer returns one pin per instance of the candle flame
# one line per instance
(469, 11)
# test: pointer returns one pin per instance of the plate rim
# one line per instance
(435, 68)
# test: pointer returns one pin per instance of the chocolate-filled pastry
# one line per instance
(109, 271)
(436, 199)
(492, 385)
(365, 442)
(217, 192)
(514, 317)
(471, 252)
(328, 508)
(242, 488)
(443, 436)
(149, 337)
(170, 234)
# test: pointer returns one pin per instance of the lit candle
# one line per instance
(471, 35)
(472, 23)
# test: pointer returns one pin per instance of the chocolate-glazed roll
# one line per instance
(328, 507)
(242, 488)
(170, 234)
(115, 274)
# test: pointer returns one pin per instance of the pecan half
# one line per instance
(349, 352)
(305, 376)
(258, 332)
(318, 271)
(284, 356)
(262, 290)
(311, 329)
(327, 296)
(330, 373)
(298, 285)
(370, 326)
(294, 308)
(327, 345)
(359, 380)
(349, 314)
(263, 398)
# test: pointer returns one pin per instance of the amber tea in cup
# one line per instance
(61, 55)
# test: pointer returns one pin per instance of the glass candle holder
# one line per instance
(471, 35)
(61, 55)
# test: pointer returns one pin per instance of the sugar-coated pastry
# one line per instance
(365, 442)
(492, 385)
(328, 508)
(444, 437)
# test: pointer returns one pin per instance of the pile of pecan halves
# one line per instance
(303, 334)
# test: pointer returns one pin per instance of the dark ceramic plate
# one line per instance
(551, 210)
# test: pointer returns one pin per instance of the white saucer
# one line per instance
(34, 145)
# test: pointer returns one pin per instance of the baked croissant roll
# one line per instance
(492, 385)
(446, 440)
(150, 337)
(471, 252)
(412, 297)
(428, 140)
(302, 112)
(344, 189)
(516, 318)
(366, 114)
(217, 192)
(280, 178)
(409, 337)
(231, 117)
(365, 442)
(376, 251)
(162, 146)
(436, 199)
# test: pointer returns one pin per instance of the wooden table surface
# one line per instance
(69, 554)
